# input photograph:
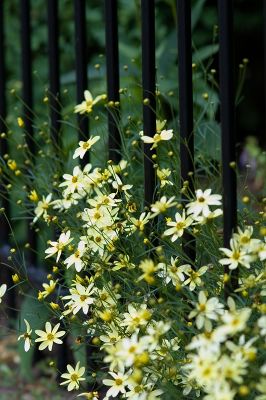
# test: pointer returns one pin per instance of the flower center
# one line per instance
(118, 381)
(201, 199)
(74, 377)
(50, 336)
(74, 179)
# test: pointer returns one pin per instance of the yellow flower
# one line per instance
(26, 336)
(49, 336)
(87, 105)
(12, 165)
(73, 377)
(20, 122)
(33, 196)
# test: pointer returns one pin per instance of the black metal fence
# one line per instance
(183, 74)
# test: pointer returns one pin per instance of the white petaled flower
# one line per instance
(26, 336)
(206, 310)
(178, 226)
(74, 182)
(57, 247)
(234, 320)
(194, 277)
(49, 336)
(172, 272)
(162, 205)
(76, 257)
(80, 298)
(130, 348)
(202, 203)
(73, 376)
(158, 137)
(85, 146)
(118, 384)
(42, 207)
(163, 174)
(235, 256)
(3, 289)
(87, 105)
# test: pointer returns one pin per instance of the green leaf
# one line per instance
(205, 52)
(196, 13)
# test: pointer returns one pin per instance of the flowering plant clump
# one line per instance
(156, 320)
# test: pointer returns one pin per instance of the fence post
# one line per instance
(186, 108)
(112, 69)
(54, 73)
(227, 96)
(6, 275)
(81, 69)
(148, 83)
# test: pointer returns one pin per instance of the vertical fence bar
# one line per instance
(186, 106)
(81, 68)
(148, 83)
(112, 68)
(4, 231)
(54, 73)
(227, 95)
(27, 97)
(6, 276)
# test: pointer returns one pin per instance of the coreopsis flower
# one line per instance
(57, 247)
(172, 273)
(49, 336)
(148, 268)
(120, 187)
(42, 207)
(162, 205)
(203, 367)
(178, 226)
(220, 391)
(236, 256)
(203, 202)
(111, 336)
(193, 279)
(26, 336)
(80, 298)
(234, 320)
(76, 257)
(232, 368)
(130, 348)
(158, 137)
(99, 217)
(87, 105)
(163, 174)
(135, 318)
(48, 288)
(33, 196)
(243, 350)
(74, 182)
(73, 377)
(139, 223)
(117, 384)
(206, 310)
(85, 146)
(3, 289)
